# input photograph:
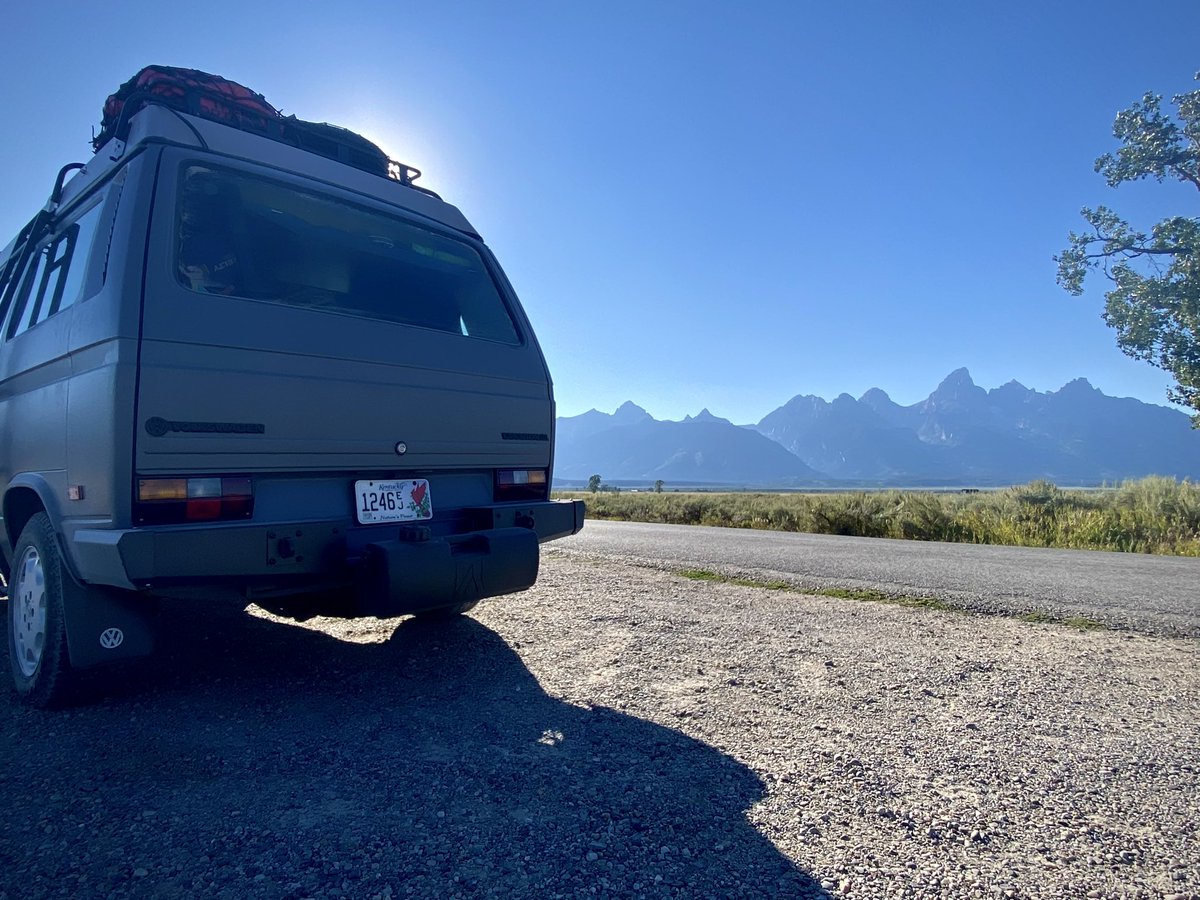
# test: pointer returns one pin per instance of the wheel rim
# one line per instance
(28, 593)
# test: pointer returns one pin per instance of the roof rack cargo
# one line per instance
(229, 103)
(344, 145)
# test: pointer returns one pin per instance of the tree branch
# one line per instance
(1183, 175)
(1134, 252)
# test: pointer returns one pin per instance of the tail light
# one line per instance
(521, 484)
(170, 501)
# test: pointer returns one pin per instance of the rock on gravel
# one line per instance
(617, 732)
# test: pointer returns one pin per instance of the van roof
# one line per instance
(158, 124)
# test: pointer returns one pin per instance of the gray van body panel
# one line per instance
(321, 414)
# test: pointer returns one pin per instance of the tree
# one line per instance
(594, 483)
(658, 486)
(1154, 304)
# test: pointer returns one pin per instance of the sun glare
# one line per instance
(404, 128)
(407, 142)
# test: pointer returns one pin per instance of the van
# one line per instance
(232, 365)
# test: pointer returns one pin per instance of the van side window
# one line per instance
(55, 278)
(6, 277)
(52, 262)
(34, 276)
(248, 237)
(13, 277)
(76, 274)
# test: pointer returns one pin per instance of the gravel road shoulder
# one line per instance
(618, 731)
(1154, 595)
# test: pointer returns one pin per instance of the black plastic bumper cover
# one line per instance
(405, 576)
(143, 557)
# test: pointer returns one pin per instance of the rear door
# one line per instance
(289, 327)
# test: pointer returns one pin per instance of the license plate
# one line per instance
(392, 501)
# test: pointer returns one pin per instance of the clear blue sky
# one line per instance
(701, 204)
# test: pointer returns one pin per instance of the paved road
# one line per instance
(1156, 594)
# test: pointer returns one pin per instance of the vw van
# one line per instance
(234, 366)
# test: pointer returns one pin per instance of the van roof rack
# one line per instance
(229, 103)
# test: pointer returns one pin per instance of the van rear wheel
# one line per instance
(37, 632)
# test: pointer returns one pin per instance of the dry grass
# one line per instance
(1152, 515)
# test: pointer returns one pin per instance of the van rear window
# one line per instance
(243, 236)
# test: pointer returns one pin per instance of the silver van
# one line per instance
(232, 364)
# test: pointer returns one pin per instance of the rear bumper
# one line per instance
(401, 576)
(299, 552)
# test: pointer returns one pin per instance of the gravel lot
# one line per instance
(617, 731)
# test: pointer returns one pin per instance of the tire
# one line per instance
(37, 631)
(445, 613)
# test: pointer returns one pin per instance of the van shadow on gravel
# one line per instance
(259, 758)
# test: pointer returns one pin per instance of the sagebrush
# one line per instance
(1151, 515)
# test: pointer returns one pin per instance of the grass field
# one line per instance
(1153, 515)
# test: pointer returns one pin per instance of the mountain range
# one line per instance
(961, 434)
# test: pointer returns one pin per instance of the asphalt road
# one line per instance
(1154, 594)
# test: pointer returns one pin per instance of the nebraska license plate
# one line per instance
(392, 501)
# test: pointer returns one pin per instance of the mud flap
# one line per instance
(405, 576)
(105, 624)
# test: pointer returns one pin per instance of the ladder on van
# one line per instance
(20, 254)
(28, 237)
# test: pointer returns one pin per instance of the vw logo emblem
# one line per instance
(111, 638)
(157, 426)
